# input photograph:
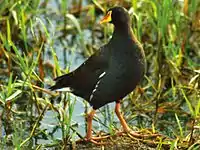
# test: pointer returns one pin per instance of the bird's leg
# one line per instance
(125, 126)
(89, 124)
(121, 118)
(123, 122)
(89, 130)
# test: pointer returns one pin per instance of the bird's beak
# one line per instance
(106, 18)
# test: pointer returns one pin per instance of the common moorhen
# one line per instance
(110, 73)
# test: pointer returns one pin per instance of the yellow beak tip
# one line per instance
(106, 18)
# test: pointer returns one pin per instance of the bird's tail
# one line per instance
(61, 82)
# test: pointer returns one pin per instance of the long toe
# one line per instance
(98, 140)
(141, 135)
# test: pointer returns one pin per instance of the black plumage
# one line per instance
(113, 71)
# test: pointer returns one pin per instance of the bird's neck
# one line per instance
(125, 34)
(123, 31)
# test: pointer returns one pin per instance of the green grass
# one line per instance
(35, 39)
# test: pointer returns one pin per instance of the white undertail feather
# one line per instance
(65, 89)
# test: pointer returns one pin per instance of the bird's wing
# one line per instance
(82, 81)
(84, 77)
(99, 60)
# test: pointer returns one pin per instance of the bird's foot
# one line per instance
(98, 140)
(135, 134)
(95, 140)
(140, 135)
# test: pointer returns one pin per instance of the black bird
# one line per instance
(110, 73)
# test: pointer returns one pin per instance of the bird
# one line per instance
(111, 73)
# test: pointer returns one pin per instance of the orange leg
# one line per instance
(123, 122)
(125, 126)
(89, 130)
(89, 125)
(121, 118)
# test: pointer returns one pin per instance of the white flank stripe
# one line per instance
(91, 96)
(94, 90)
(96, 86)
(101, 75)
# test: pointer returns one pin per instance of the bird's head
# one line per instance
(118, 16)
